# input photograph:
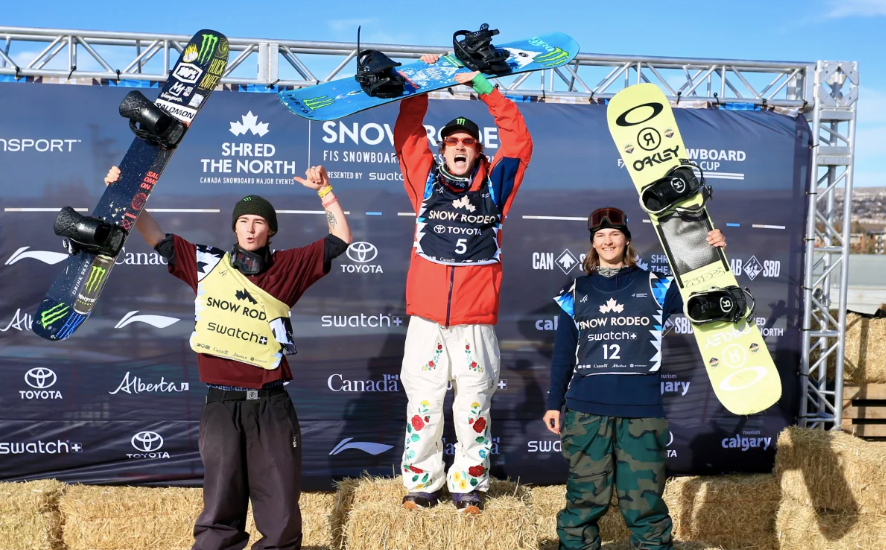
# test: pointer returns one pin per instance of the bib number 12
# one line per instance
(611, 351)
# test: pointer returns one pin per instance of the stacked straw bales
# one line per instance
(29, 515)
(734, 512)
(834, 491)
(377, 521)
(865, 358)
(111, 518)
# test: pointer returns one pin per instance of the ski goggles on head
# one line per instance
(601, 215)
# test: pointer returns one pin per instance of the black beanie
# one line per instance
(257, 206)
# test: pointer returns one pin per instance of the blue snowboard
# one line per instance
(340, 98)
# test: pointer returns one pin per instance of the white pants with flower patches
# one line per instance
(467, 355)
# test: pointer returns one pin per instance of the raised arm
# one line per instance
(411, 143)
(316, 178)
(146, 224)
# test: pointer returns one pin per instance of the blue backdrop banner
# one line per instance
(119, 402)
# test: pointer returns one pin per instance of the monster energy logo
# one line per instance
(207, 48)
(318, 102)
(552, 59)
(53, 314)
(460, 121)
(95, 277)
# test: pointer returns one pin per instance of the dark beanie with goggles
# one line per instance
(608, 218)
(257, 206)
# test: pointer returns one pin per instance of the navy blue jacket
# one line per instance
(606, 395)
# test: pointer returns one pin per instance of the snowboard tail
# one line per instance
(642, 124)
(159, 126)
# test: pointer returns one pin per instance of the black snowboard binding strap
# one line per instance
(88, 234)
(476, 52)
(728, 304)
(679, 184)
(151, 123)
(376, 74)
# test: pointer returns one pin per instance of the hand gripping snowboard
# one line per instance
(95, 241)
(738, 363)
(390, 81)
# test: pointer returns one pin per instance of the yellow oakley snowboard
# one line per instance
(673, 193)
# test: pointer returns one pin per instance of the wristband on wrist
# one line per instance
(323, 191)
(327, 204)
(481, 85)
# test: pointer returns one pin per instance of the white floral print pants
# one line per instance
(467, 355)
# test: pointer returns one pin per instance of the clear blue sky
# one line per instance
(791, 30)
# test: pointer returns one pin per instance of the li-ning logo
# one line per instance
(370, 448)
(53, 314)
(552, 59)
(207, 48)
(317, 102)
(46, 257)
(95, 278)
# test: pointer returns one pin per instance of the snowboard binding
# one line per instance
(376, 74)
(151, 123)
(720, 304)
(476, 52)
(85, 233)
(679, 184)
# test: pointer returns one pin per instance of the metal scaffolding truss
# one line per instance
(827, 90)
(827, 243)
(72, 54)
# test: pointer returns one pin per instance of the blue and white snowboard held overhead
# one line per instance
(340, 98)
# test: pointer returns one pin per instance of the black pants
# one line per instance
(251, 449)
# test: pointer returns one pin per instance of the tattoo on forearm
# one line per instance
(330, 219)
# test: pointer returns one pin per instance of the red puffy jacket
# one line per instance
(459, 295)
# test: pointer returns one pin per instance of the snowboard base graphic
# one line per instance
(739, 365)
(159, 127)
(340, 98)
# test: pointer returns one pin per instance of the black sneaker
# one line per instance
(418, 501)
(470, 503)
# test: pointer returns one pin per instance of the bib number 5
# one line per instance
(461, 246)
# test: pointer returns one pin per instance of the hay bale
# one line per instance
(734, 511)
(378, 521)
(29, 515)
(831, 471)
(865, 352)
(801, 527)
(109, 518)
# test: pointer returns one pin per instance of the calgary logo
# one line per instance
(362, 252)
(157, 321)
(50, 258)
(464, 203)
(249, 123)
(40, 378)
(366, 447)
(612, 307)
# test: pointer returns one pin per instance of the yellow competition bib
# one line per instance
(235, 319)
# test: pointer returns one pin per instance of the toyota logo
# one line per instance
(147, 442)
(439, 229)
(362, 252)
(678, 185)
(40, 378)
